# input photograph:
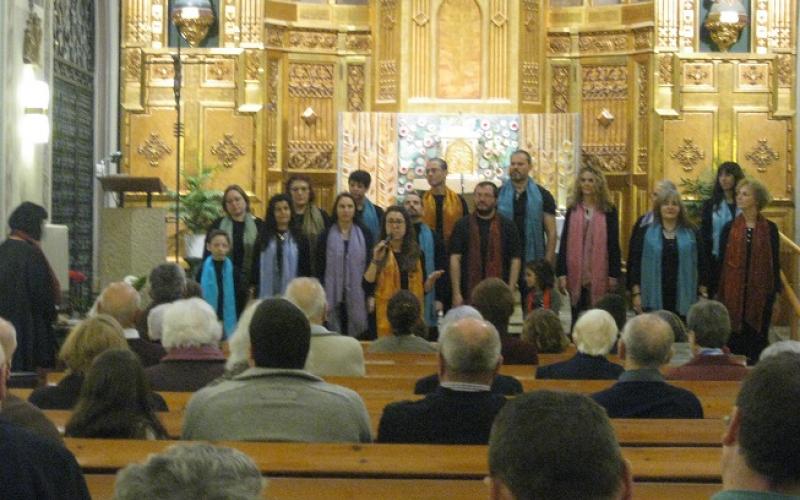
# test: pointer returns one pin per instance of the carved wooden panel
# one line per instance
(229, 144)
(388, 51)
(459, 50)
(530, 35)
(604, 115)
(688, 145)
(150, 145)
(310, 116)
(763, 151)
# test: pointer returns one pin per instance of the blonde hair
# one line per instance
(88, 339)
(759, 190)
(601, 188)
(666, 196)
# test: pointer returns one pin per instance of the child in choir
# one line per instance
(216, 280)
(540, 278)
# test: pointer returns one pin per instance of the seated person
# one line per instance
(681, 349)
(462, 408)
(405, 317)
(543, 328)
(595, 333)
(254, 405)
(556, 445)
(709, 330)
(641, 391)
(494, 300)
(199, 470)
(191, 335)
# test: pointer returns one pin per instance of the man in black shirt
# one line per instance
(483, 245)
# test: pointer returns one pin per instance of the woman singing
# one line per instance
(311, 219)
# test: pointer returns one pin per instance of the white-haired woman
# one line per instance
(191, 337)
(594, 335)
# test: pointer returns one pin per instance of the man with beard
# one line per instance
(484, 245)
(442, 207)
(533, 210)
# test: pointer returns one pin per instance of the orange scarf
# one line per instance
(452, 211)
(388, 283)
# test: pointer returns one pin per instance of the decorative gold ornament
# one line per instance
(605, 118)
(695, 72)
(762, 155)
(753, 75)
(227, 150)
(309, 116)
(355, 87)
(153, 149)
(725, 22)
(193, 19)
(688, 155)
(460, 157)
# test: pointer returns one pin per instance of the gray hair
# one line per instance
(648, 340)
(189, 472)
(458, 313)
(120, 300)
(167, 282)
(779, 347)
(308, 295)
(8, 339)
(190, 323)
(463, 354)
(239, 342)
(710, 322)
(665, 185)
(595, 332)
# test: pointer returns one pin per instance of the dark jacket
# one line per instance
(581, 367)
(65, 394)
(442, 417)
(186, 369)
(502, 384)
(644, 394)
(517, 351)
(150, 353)
(710, 367)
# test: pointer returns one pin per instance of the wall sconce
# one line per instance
(35, 98)
(725, 21)
(193, 19)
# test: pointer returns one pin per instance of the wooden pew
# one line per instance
(679, 464)
(101, 487)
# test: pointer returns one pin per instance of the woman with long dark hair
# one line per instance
(342, 258)
(750, 271)
(282, 251)
(115, 401)
(306, 215)
(588, 263)
(397, 264)
(242, 228)
(716, 212)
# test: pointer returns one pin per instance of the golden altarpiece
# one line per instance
(318, 89)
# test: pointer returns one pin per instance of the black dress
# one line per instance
(28, 302)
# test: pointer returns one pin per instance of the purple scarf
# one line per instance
(343, 274)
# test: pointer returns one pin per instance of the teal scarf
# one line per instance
(651, 269)
(721, 216)
(425, 239)
(208, 283)
(248, 241)
(534, 235)
(370, 219)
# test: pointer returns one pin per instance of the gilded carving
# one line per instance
(499, 19)
(560, 89)
(605, 118)
(355, 87)
(312, 39)
(752, 74)
(388, 13)
(761, 29)
(665, 69)
(459, 50)
(231, 30)
(253, 64)
(153, 149)
(605, 82)
(273, 82)
(421, 18)
(784, 70)
(697, 74)
(602, 42)
(387, 81)
(310, 155)
(138, 29)
(275, 35)
(219, 70)
(762, 155)
(133, 66)
(558, 44)
(227, 150)
(642, 39)
(686, 33)
(251, 20)
(608, 158)
(644, 125)
(311, 80)
(688, 154)
(357, 42)
(531, 9)
(530, 82)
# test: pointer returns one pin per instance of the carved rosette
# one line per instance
(227, 150)
(153, 149)
(762, 155)
(688, 155)
(355, 87)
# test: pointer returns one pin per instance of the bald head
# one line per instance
(646, 342)
(8, 339)
(469, 351)
(120, 301)
(309, 296)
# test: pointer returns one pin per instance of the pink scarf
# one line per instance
(599, 253)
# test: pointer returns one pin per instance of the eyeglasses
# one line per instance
(396, 222)
(299, 188)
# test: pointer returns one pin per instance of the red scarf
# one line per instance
(477, 270)
(56, 286)
(759, 277)
(531, 300)
(575, 253)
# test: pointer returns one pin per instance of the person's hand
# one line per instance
(636, 302)
(431, 280)
(380, 251)
(458, 300)
(370, 305)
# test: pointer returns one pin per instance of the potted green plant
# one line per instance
(200, 205)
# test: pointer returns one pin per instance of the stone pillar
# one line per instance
(134, 241)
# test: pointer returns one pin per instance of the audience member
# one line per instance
(253, 406)
(121, 301)
(190, 472)
(461, 410)
(167, 284)
(85, 342)
(641, 391)
(115, 401)
(759, 447)
(17, 410)
(614, 304)
(709, 331)
(595, 333)
(681, 348)
(330, 353)
(404, 314)
(191, 336)
(32, 466)
(239, 345)
(543, 329)
(779, 347)
(493, 298)
(556, 445)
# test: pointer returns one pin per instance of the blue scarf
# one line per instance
(651, 269)
(208, 283)
(270, 283)
(721, 216)
(425, 239)
(534, 236)
(369, 217)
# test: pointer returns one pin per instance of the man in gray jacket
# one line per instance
(277, 400)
